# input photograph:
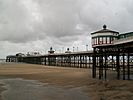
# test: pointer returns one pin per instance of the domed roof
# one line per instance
(105, 30)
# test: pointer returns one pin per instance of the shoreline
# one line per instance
(70, 78)
(2, 89)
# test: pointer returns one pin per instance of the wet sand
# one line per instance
(70, 78)
(22, 89)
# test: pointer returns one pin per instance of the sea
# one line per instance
(2, 61)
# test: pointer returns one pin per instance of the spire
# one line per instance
(67, 49)
(104, 27)
(51, 49)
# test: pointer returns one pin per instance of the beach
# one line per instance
(70, 78)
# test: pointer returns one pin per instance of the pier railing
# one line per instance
(78, 60)
(123, 40)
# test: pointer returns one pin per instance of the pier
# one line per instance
(111, 52)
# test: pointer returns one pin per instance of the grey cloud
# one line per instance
(59, 19)
(33, 23)
(113, 13)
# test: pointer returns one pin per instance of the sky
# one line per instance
(36, 25)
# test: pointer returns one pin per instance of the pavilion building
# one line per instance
(104, 37)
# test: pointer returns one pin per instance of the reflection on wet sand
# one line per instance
(20, 89)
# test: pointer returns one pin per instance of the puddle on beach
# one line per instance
(20, 89)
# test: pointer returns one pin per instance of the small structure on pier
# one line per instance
(51, 51)
(11, 58)
(33, 54)
(68, 51)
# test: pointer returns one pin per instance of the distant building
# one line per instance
(11, 58)
(33, 54)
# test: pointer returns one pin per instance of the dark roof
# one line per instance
(11, 56)
(105, 30)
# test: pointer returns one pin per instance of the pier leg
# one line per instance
(118, 66)
(89, 61)
(123, 66)
(86, 61)
(80, 57)
(45, 60)
(94, 64)
(128, 65)
(74, 61)
(100, 64)
(105, 67)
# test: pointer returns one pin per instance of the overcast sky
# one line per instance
(36, 25)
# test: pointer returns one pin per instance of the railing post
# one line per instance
(94, 64)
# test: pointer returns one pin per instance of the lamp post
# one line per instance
(62, 49)
(86, 47)
(73, 49)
